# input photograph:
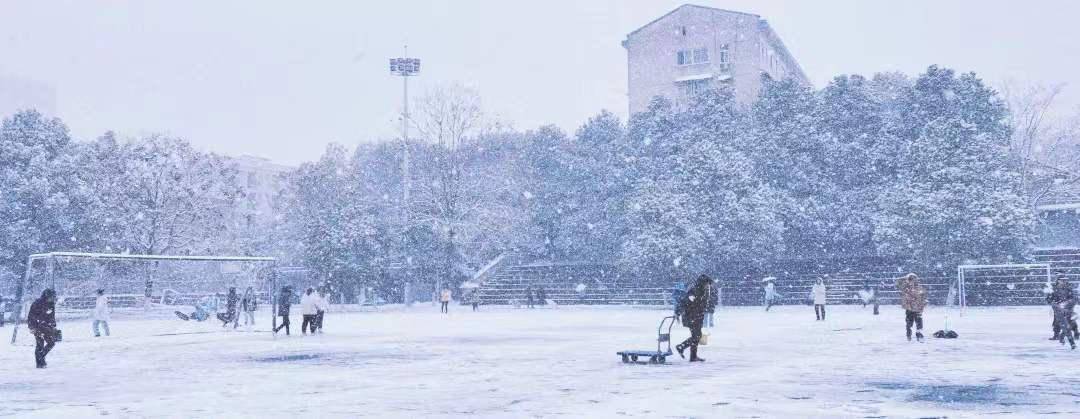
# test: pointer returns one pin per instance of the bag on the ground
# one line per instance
(946, 334)
(704, 339)
(58, 335)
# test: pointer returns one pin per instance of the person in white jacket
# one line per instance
(817, 293)
(771, 296)
(101, 313)
(309, 308)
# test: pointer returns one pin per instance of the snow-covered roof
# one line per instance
(153, 257)
(685, 6)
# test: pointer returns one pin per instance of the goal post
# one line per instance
(1004, 284)
(140, 286)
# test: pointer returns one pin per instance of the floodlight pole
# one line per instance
(405, 67)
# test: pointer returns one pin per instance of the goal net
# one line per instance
(1002, 285)
(145, 292)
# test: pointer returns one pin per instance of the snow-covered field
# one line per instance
(504, 362)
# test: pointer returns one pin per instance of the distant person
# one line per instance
(309, 308)
(771, 296)
(203, 308)
(541, 296)
(817, 293)
(1063, 301)
(530, 299)
(249, 304)
(101, 313)
(284, 306)
(580, 289)
(230, 315)
(913, 298)
(321, 305)
(693, 315)
(444, 298)
(474, 299)
(41, 320)
(868, 295)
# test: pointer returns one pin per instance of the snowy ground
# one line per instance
(504, 362)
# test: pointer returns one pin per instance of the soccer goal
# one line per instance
(1009, 284)
(146, 291)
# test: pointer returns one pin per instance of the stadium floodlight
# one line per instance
(141, 286)
(405, 67)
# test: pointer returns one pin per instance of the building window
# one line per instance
(692, 88)
(701, 55)
(695, 56)
(683, 57)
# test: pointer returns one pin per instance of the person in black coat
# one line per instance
(541, 296)
(284, 305)
(529, 298)
(694, 305)
(230, 314)
(41, 320)
(1063, 301)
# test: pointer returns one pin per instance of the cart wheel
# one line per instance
(654, 360)
(633, 358)
(625, 359)
(662, 359)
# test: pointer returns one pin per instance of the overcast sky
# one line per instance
(283, 79)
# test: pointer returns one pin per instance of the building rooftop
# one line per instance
(683, 7)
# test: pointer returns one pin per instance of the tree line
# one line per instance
(923, 168)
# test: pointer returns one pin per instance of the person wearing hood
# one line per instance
(41, 320)
(817, 293)
(101, 313)
(695, 302)
(913, 298)
(1063, 301)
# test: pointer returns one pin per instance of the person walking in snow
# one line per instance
(41, 320)
(817, 293)
(529, 298)
(309, 308)
(249, 304)
(101, 313)
(284, 306)
(771, 296)
(444, 298)
(321, 306)
(541, 296)
(694, 305)
(913, 298)
(230, 314)
(1063, 301)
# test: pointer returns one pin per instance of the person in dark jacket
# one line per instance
(541, 296)
(41, 320)
(694, 305)
(530, 300)
(284, 304)
(1063, 301)
(230, 314)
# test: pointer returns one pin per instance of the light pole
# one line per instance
(405, 67)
